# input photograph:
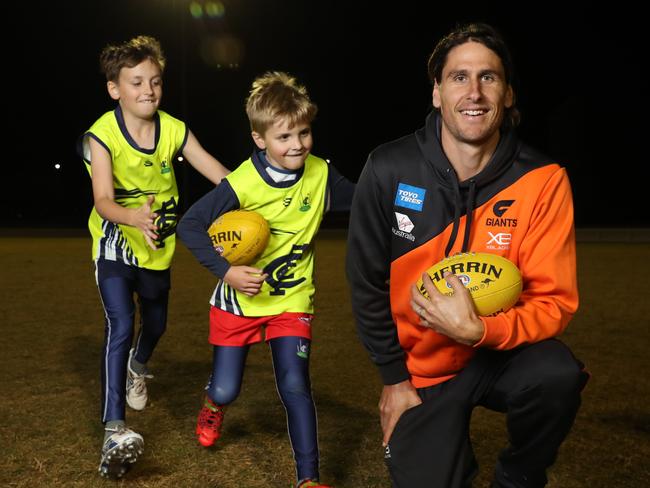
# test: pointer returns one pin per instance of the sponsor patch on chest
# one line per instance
(403, 222)
(405, 227)
(408, 196)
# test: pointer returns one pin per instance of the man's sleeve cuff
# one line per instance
(393, 373)
(494, 333)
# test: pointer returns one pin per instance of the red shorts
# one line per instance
(227, 329)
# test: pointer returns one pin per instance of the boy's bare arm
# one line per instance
(203, 161)
(104, 197)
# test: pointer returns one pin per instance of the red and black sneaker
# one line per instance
(208, 425)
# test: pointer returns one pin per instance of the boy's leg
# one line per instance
(222, 389)
(291, 367)
(539, 388)
(227, 373)
(117, 298)
(121, 446)
(153, 296)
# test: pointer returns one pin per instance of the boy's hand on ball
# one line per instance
(246, 279)
(144, 219)
(450, 315)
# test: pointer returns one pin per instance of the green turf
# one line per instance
(51, 333)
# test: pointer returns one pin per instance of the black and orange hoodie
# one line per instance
(410, 211)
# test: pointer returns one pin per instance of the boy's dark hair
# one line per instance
(129, 54)
(490, 38)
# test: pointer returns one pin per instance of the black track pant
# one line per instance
(538, 386)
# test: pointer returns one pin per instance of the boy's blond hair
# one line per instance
(129, 54)
(278, 94)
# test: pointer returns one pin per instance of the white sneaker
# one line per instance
(119, 452)
(136, 386)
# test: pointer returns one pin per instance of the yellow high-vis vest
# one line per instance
(137, 174)
(294, 215)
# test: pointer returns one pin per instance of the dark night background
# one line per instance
(580, 87)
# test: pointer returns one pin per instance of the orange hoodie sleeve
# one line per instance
(547, 260)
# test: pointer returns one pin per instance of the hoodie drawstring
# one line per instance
(469, 209)
(469, 206)
(454, 229)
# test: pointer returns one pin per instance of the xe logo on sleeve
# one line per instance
(408, 196)
(499, 241)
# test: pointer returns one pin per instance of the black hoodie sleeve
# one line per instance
(193, 227)
(368, 271)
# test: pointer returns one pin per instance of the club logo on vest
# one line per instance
(279, 272)
(166, 221)
(408, 196)
(305, 204)
(164, 167)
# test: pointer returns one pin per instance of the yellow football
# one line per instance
(240, 236)
(493, 281)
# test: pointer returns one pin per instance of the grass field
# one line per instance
(51, 333)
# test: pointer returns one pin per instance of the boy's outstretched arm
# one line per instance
(202, 161)
(104, 197)
(340, 191)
